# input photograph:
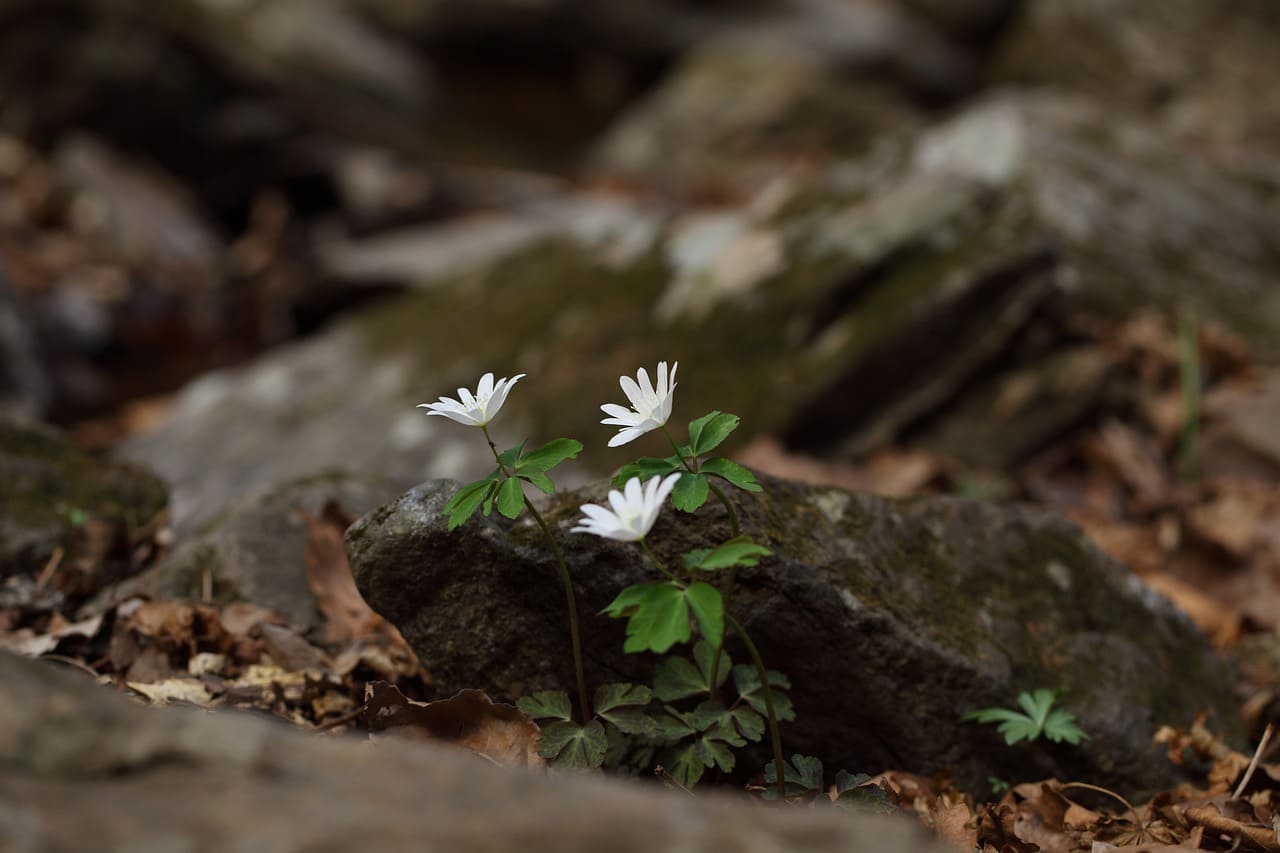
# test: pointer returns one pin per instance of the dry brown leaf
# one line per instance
(1223, 625)
(502, 733)
(1135, 461)
(347, 616)
(169, 690)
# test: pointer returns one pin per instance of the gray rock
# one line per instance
(51, 492)
(1206, 72)
(866, 297)
(891, 619)
(171, 779)
(254, 549)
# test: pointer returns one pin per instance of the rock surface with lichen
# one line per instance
(891, 619)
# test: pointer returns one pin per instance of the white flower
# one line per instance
(650, 407)
(477, 410)
(634, 510)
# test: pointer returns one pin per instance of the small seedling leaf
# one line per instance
(739, 551)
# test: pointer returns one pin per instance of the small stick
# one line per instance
(661, 773)
(1253, 763)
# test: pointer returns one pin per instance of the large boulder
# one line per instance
(891, 619)
(153, 779)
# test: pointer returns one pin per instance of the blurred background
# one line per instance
(1022, 249)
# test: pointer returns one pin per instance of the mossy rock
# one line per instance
(891, 619)
(50, 490)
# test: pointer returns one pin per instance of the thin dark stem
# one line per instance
(571, 602)
(779, 763)
(644, 546)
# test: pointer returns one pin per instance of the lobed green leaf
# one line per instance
(574, 747)
(546, 704)
(690, 492)
(645, 468)
(510, 497)
(538, 479)
(467, 499)
(549, 455)
(678, 678)
(610, 696)
(733, 472)
(739, 551)
(706, 433)
(708, 608)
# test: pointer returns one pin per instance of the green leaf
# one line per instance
(645, 468)
(702, 653)
(684, 763)
(749, 723)
(574, 747)
(549, 455)
(546, 704)
(802, 776)
(673, 726)
(1061, 726)
(659, 616)
(708, 608)
(715, 721)
(695, 557)
(731, 471)
(510, 497)
(861, 794)
(690, 492)
(488, 499)
(538, 479)
(747, 682)
(465, 501)
(716, 752)
(509, 456)
(678, 678)
(610, 696)
(739, 551)
(633, 721)
(708, 431)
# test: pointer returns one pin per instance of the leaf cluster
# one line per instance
(802, 780)
(1037, 717)
(691, 491)
(658, 613)
(502, 486)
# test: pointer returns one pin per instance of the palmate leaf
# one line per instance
(733, 472)
(859, 793)
(706, 433)
(678, 678)
(690, 492)
(467, 500)
(1060, 726)
(703, 654)
(708, 608)
(573, 747)
(1038, 716)
(546, 704)
(739, 551)
(802, 776)
(658, 616)
(747, 682)
(623, 706)
(685, 764)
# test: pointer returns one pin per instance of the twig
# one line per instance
(51, 566)
(661, 773)
(1253, 762)
(1137, 819)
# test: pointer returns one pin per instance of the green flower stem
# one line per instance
(644, 546)
(583, 701)
(779, 763)
(691, 465)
